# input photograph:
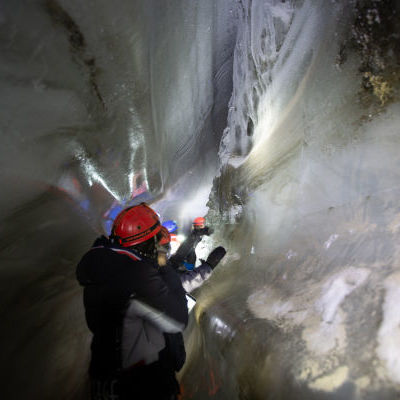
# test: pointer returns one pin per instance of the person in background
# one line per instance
(186, 252)
(190, 278)
(135, 309)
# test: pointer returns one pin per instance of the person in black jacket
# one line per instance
(191, 278)
(186, 252)
(136, 311)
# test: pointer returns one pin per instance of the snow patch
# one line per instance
(329, 332)
(318, 309)
(337, 288)
(331, 239)
(388, 349)
(331, 382)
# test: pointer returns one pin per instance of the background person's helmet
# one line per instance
(135, 225)
(199, 222)
(171, 225)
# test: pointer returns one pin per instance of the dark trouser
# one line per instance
(150, 382)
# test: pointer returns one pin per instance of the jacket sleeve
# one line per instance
(185, 248)
(153, 289)
(195, 278)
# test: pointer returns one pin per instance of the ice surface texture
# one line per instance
(279, 119)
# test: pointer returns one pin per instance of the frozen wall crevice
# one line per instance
(307, 204)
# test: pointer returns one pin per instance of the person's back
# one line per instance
(136, 311)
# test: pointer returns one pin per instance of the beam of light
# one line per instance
(196, 206)
(91, 173)
(130, 177)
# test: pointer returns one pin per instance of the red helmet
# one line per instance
(199, 222)
(164, 236)
(135, 225)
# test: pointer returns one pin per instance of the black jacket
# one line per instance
(118, 285)
(186, 251)
(191, 279)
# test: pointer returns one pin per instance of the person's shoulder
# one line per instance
(136, 265)
(94, 254)
(101, 241)
(117, 258)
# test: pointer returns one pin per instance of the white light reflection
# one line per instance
(130, 177)
(136, 142)
(133, 144)
(221, 328)
(91, 173)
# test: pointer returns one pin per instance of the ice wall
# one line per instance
(308, 197)
(106, 103)
(102, 104)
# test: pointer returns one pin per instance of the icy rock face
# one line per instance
(108, 93)
(307, 202)
(101, 102)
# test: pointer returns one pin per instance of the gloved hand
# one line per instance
(215, 256)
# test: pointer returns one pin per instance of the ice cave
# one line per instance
(277, 120)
